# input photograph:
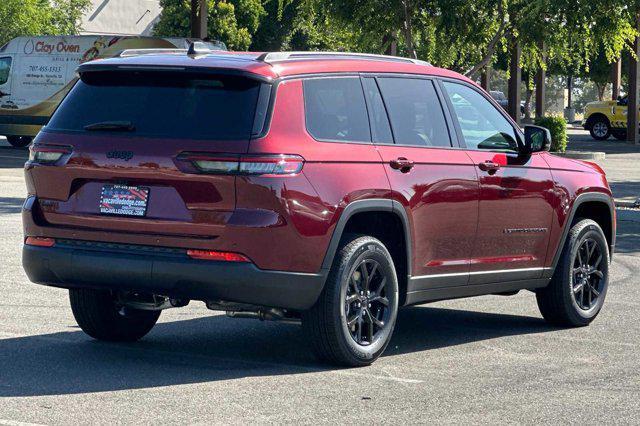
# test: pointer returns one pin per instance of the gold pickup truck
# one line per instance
(606, 118)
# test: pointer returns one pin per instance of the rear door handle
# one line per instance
(489, 166)
(402, 164)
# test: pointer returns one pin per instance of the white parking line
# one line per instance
(378, 377)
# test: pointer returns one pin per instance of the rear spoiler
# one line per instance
(99, 66)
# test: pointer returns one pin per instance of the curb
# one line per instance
(582, 155)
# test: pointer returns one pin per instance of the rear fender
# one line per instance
(371, 205)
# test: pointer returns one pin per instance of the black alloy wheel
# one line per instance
(365, 303)
(587, 274)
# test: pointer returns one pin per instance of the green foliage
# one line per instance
(463, 35)
(466, 35)
(558, 127)
(40, 17)
(232, 22)
(248, 14)
(303, 25)
(580, 38)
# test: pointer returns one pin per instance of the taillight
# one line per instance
(245, 164)
(40, 241)
(223, 256)
(43, 154)
(271, 165)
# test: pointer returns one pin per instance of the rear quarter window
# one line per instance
(167, 105)
(335, 109)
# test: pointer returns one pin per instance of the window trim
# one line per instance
(370, 113)
(264, 107)
(453, 137)
(501, 111)
(304, 105)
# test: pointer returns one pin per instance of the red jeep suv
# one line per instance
(323, 188)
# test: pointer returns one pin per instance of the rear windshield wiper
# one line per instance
(120, 126)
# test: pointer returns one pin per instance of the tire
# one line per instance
(325, 323)
(19, 141)
(561, 303)
(98, 315)
(620, 135)
(600, 128)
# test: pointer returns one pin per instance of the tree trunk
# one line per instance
(503, 30)
(616, 76)
(407, 29)
(199, 19)
(527, 103)
(601, 88)
(390, 44)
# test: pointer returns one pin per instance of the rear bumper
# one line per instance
(171, 274)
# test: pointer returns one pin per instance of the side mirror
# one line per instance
(536, 139)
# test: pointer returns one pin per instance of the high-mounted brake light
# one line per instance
(47, 154)
(245, 164)
(223, 256)
(40, 241)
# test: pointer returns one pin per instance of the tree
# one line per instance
(302, 25)
(40, 17)
(232, 22)
(278, 23)
(599, 72)
(466, 36)
(375, 23)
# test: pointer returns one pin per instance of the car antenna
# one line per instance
(198, 48)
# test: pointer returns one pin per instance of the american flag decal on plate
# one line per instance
(124, 200)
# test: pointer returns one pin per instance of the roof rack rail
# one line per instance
(270, 57)
(138, 52)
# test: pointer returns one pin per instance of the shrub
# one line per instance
(558, 128)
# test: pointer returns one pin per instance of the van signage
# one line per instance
(44, 47)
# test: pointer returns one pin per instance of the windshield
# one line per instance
(168, 105)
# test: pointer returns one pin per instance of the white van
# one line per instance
(37, 72)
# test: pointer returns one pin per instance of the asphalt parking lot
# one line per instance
(483, 360)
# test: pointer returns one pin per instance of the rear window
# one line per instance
(185, 106)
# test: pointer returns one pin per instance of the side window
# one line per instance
(5, 67)
(482, 125)
(415, 112)
(380, 128)
(335, 109)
